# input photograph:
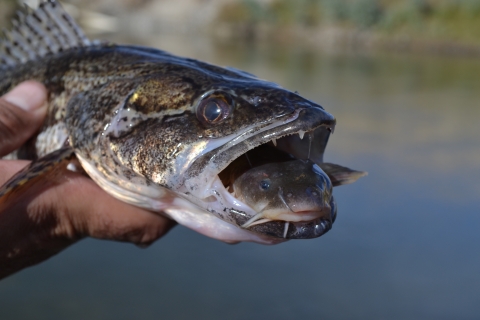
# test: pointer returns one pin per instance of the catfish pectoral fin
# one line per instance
(340, 175)
(36, 175)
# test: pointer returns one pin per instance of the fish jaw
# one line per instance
(210, 193)
(194, 217)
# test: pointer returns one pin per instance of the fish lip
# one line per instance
(296, 230)
(309, 119)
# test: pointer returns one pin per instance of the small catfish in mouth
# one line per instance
(291, 191)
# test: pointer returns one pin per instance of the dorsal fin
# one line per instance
(36, 33)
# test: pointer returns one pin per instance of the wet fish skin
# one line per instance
(118, 69)
(131, 114)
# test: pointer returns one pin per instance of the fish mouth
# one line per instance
(292, 230)
(301, 135)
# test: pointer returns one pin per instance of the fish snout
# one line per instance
(310, 198)
(302, 204)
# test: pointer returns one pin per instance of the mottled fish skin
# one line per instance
(131, 116)
(155, 82)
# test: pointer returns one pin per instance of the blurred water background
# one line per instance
(405, 243)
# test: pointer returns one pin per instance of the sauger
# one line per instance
(172, 134)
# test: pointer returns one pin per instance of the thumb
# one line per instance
(22, 111)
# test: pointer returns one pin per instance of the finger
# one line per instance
(8, 168)
(110, 218)
(84, 209)
(22, 111)
(72, 206)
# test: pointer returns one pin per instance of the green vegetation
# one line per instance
(455, 21)
(451, 26)
(7, 8)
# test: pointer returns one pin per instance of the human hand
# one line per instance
(67, 208)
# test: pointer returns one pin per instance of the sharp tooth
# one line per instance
(274, 142)
(285, 229)
(72, 167)
(301, 133)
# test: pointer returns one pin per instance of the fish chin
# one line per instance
(230, 210)
(196, 218)
(184, 210)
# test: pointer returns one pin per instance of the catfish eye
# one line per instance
(213, 110)
(265, 184)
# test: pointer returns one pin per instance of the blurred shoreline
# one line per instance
(444, 27)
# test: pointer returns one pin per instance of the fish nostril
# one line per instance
(317, 195)
(311, 191)
(280, 195)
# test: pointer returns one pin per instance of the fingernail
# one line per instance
(29, 95)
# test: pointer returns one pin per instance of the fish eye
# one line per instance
(213, 110)
(265, 184)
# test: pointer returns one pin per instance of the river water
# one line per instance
(405, 244)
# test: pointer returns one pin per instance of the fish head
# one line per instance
(267, 124)
(182, 130)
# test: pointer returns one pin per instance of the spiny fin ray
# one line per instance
(340, 175)
(36, 33)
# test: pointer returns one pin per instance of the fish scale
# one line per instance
(159, 131)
